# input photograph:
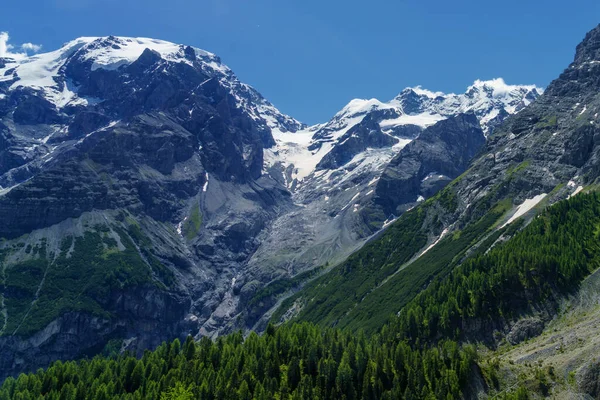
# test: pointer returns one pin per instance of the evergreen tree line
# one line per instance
(296, 361)
(547, 259)
(416, 356)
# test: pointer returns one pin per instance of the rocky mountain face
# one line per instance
(135, 149)
(427, 164)
(545, 153)
(335, 174)
(550, 149)
(146, 193)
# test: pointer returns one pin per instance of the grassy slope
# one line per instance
(375, 309)
(376, 282)
(333, 294)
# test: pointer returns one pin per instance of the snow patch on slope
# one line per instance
(292, 149)
(527, 205)
(423, 120)
(444, 232)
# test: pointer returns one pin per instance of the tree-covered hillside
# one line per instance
(549, 258)
(299, 361)
(417, 355)
(382, 277)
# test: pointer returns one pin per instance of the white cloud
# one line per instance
(34, 48)
(6, 48)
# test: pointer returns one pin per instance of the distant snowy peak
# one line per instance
(46, 73)
(489, 100)
(414, 109)
(498, 88)
(360, 107)
(512, 97)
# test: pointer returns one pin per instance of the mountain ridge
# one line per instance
(491, 101)
(157, 156)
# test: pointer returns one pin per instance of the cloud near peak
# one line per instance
(6, 49)
(30, 47)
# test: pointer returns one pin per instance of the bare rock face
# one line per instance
(440, 154)
(149, 315)
(588, 379)
(366, 135)
(136, 179)
(525, 329)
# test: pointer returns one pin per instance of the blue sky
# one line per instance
(311, 57)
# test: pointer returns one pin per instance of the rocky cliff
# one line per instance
(427, 164)
(147, 157)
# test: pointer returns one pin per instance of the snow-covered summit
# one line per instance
(112, 52)
(500, 89)
(422, 107)
(359, 107)
(47, 74)
(491, 101)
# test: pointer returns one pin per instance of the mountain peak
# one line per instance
(420, 91)
(111, 52)
(588, 50)
(582, 77)
(48, 74)
(357, 107)
(497, 87)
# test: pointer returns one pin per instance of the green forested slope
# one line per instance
(547, 259)
(298, 361)
(412, 357)
(376, 282)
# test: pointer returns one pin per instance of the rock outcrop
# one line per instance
(440, 154)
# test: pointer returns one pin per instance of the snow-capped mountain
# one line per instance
(106, 135)
(300, 154)
(58, 83)
(159, 152)
(46, 73)
(491, 101)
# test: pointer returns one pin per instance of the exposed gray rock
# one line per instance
(32, 109)
(146, 314)
(173, 149)
(588, 379)
(440, 154)
(525, 329)
(360, 137)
